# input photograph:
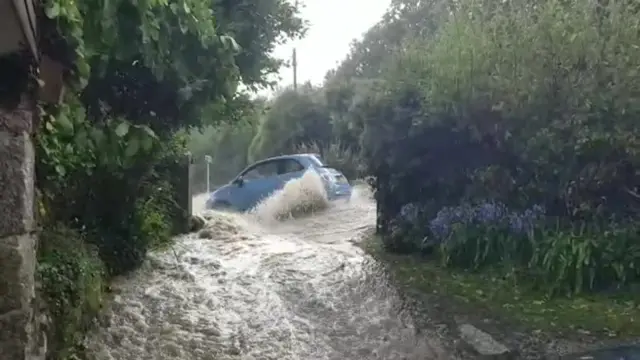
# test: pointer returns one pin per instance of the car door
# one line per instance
(258, 182)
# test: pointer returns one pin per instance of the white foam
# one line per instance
(300, 196)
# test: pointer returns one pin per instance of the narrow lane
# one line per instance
(292, 289)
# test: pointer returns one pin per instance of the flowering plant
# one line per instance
(487, 214)
(475, 235)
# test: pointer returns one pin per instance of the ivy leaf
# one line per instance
(123, 129)
(149, 132)
(147, 143)
(132, 147)
(64, 124)
(98, 137)
(53, 11)
(81, 139)
(60, 170)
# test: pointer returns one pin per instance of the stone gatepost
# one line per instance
(19, 337)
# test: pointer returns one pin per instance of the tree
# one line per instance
(294, 117)
(159, 63)
(348, 87)
(227, 144)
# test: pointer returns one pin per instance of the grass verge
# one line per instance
(492, 295)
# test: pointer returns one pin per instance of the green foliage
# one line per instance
(72, 278)
(294, 117)
(337, 156)
(110, 158)
(489, 294)
(526, 105)
(228, 146)
(117, 160)
(556, 260)
(160, 63)
(586, 259)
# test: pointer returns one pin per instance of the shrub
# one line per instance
(486, 234)
(527, 245)
(107, 181)
(72, 279)
(524, 105)
(586, 258)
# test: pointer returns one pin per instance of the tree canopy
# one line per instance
(161, 63)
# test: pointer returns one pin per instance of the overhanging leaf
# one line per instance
(122, 129)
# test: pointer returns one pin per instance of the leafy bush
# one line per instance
(485, 234)
(103, 180)
(512, 105)
(526, 245)
(72, 278)
(585, 258)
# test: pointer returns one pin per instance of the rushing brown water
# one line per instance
(266, 286)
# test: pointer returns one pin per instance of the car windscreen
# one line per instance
(315, 160)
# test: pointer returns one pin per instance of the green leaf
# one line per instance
(64, 124)
(60, 170)
(133, 146)
(147, 143)
(123, 129)
(81, 139)
(53, 11)
(149, 131)
(98, 137)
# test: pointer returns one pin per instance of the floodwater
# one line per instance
(266, 285)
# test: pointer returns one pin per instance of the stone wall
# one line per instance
(20, 335)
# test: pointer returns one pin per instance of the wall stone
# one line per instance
(20, 335)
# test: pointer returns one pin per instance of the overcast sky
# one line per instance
(333, 25)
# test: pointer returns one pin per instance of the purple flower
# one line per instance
(409, 212)
(483, 215)
(490, 213)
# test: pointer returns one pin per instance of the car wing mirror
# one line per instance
(239, 181)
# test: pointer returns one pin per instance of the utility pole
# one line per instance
(295, 69)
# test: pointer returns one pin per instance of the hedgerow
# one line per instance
(523, 106)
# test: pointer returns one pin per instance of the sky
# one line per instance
(333, 24)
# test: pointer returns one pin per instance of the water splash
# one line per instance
(299, 197)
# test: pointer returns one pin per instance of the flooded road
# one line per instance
(283, 290)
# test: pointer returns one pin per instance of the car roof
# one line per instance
(305, 157)
(300, 157)
(291, 156)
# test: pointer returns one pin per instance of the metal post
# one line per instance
(208, 159)
(295, 69)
